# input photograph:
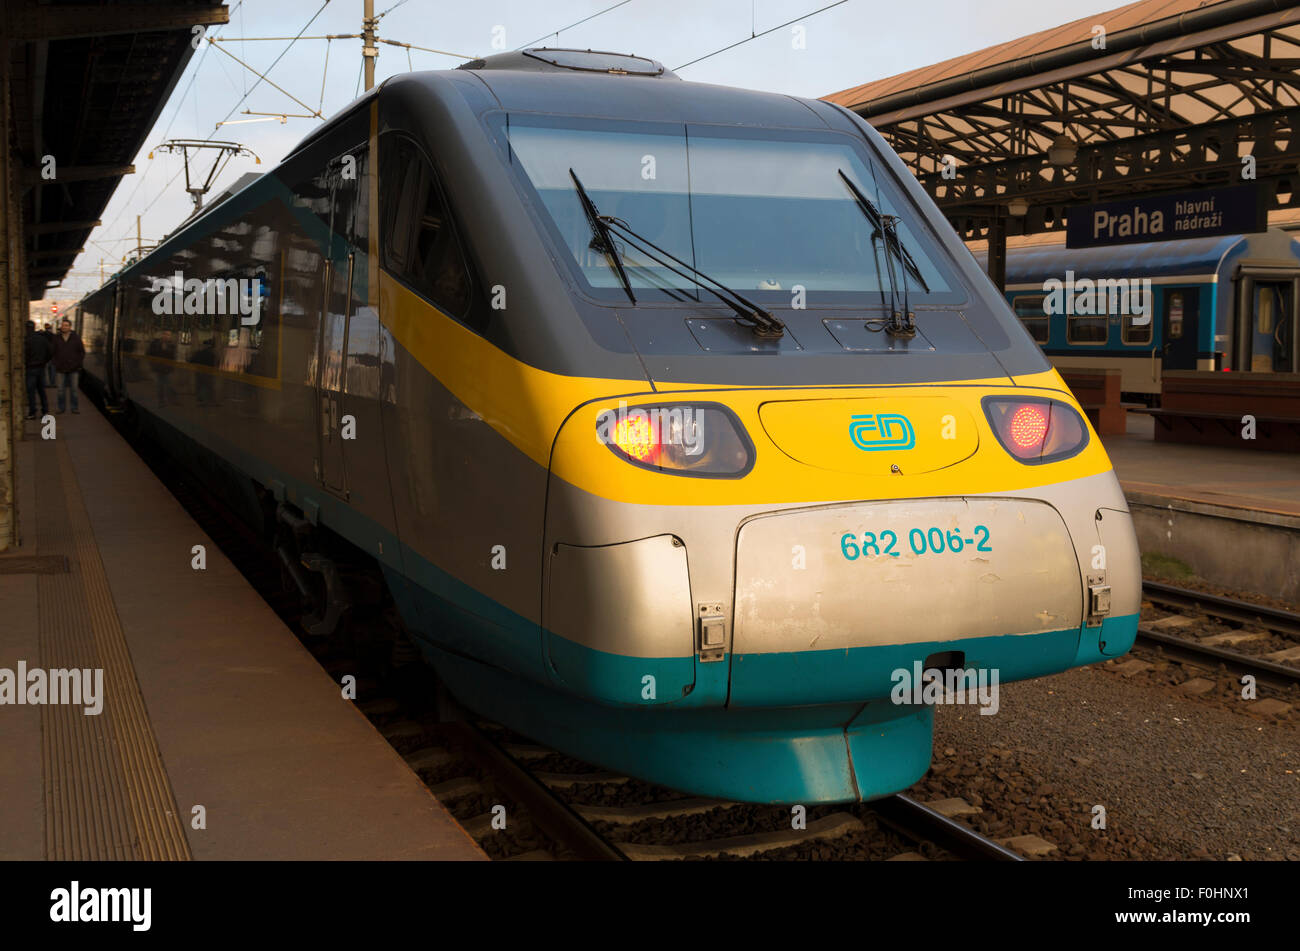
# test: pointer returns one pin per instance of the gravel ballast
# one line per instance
(1178, 778)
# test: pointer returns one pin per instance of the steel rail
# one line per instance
(1180, 648)
(1230, 609)
(922, 823)
(551, 814)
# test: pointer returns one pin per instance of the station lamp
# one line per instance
(1018, 207)
(1062, 151)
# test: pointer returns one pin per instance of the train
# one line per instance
(685, 435)
(1228, 303)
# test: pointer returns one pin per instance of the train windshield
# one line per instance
(766, 212)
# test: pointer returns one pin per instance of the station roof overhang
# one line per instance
(1168, 95)
(87, 83)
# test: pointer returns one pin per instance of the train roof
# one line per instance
(615, 96)
(1148, 259)
(550, 59)
(595, 83)
(518, 82)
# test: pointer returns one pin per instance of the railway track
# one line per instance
(603, 832)
(1278, 669)
(919, 822)
(1229, 609)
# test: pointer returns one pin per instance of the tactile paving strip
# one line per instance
(107, 794)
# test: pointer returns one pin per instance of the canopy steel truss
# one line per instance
(1178, 96)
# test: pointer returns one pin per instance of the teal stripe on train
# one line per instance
(829, 676)
(829, 753)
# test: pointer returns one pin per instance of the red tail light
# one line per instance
(1027, 428)
(1036, 430)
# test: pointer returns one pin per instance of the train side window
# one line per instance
(1086, 329)
(1133, 332)
(1031, 314)
(417, 238)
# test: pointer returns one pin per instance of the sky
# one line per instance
(851, 43)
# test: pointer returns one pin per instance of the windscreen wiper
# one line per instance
(901, 323)
(765, 323)
(888, 226)
(602, 240)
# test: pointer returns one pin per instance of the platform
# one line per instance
(1228, 516)
(1251, 480)
(208, 700)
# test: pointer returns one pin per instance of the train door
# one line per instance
(113, 365)
(1179, 322)
(1272, 331)
(337, 274)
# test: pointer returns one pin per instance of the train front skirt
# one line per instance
(825, 753)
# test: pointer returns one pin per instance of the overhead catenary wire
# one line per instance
(232, 109)
(262, 76)
(273, 64)
(426, 49)
(356, 36)
(389, 10)
(240, 102)
(267, 39)
(324, 72)
(754, 36)
(556, 33)
(236, 84)
(180, 104)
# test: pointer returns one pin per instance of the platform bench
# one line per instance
(1098, 393)
(1209, 408)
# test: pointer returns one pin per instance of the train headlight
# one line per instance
(693, 439)
(1036, 430)
(636, 438)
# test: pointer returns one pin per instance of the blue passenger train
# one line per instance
(1220, 303)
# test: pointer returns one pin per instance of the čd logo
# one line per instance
(871, 433)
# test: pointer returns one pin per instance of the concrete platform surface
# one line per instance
(218, 736)
(1233, 478)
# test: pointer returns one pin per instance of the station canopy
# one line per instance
(87, 82)
(1154, 97)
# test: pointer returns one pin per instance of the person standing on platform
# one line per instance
(69, 353)
(48, 334)
(36, 353)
